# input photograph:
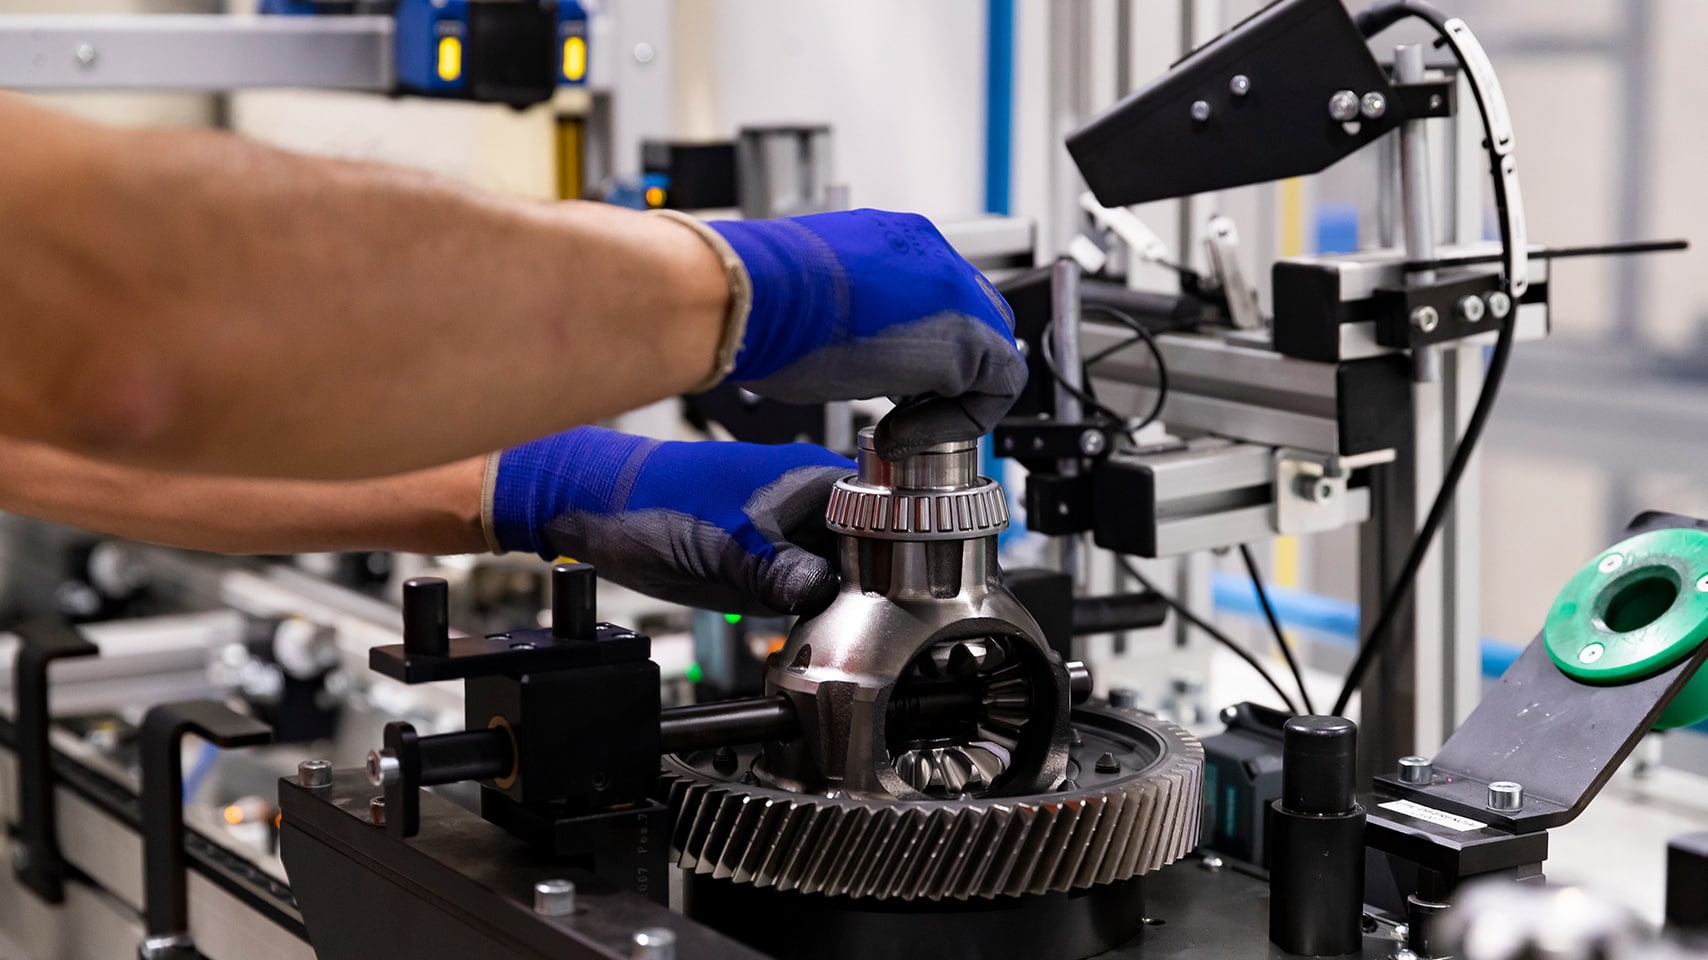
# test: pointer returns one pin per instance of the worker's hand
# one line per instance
(848, 306)
(724, 526)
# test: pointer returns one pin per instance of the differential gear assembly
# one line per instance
(941, 769)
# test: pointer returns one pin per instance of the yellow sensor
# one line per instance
(575, 59)
(450, 58)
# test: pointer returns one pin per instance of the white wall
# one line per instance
(901, 82)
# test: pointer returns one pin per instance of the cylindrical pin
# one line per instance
(574, 610)
(1316, 841)
(426, 617)
(1417, 770)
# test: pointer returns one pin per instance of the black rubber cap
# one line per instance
(426, 616)
(1319, 763)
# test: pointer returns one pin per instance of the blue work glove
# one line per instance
(860, 304)
(735, 527)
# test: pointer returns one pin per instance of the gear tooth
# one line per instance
(904, 875)
(1145, 840)
(760, 839)
(791, 820)
(891, 842)
(903, 849)
(933, 876)
(700, 828)
(1054, 846)
(813, 820)
(724, 814)
(861, 828)
(1029, 847)
(958, 871)
(1097, 842)
(824, 852)
(738, 838)
(1121, 837)
(1091, 811)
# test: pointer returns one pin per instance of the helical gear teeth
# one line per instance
(955, 849)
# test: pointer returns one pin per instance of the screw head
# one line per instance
(554, 898)
(1471, 309)
(1591, 653)
(376, 811)
(1373, 105)
(1702, 584)
(1426, 319)
(1092, 442)
(1611, 562)
(1200, 110)
(383, 768)
(1435, 101)
(653, 943)
(1108, 764)
(1506, 795)
(315, 773)
(1343, 106)
(1416, 770)
(644, 53)
(1500, 305)
(85, 55)
(1240, 85)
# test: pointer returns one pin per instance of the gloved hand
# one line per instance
(735, 527)
(860, 304)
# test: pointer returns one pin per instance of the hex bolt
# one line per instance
(1471, 309)
(554, 898)
(1108, 764)
(1200, 110)
(376, 811)
(1373, 105)
(653, 943)
(1426, 318)
(1343, 106)
(724, 759)
(1240, 85)
(1124, 698)
(383, 768)
(1420, 770)
(1092, 442)
(1500, 305)
(314, 774)
(1506, 796)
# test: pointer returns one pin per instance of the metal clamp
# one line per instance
(166, 911)
(1310, 488)
(37, 858)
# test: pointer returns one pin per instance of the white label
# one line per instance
(1439, 818)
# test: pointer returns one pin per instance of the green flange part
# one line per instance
(1638, 608)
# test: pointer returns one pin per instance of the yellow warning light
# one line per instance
(574, 58)
(450, 58)
(655, 196)
(233, 815)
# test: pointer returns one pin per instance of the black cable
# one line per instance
(1091, 403)
(1370, 22)
(1141, 332)
(1275, 626)
(1212, 632)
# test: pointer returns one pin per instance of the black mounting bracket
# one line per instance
(166, 911)
(37, 860)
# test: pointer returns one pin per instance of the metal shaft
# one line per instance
(1070, 364)
(1416, 199)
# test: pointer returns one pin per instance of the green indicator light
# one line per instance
(695, 673)
(732, 618)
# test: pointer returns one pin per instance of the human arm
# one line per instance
(729, 526)
(189, 300)
(433, 511)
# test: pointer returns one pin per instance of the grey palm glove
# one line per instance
(734, 527)
(864, 303)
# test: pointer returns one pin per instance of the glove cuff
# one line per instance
(740, 297)
(488, 487)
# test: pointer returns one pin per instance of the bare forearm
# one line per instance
(429, 511)
(189, 300)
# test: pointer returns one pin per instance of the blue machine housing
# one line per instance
(572, 24)
(421, 26)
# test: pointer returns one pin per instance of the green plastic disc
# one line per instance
(1636, 609)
